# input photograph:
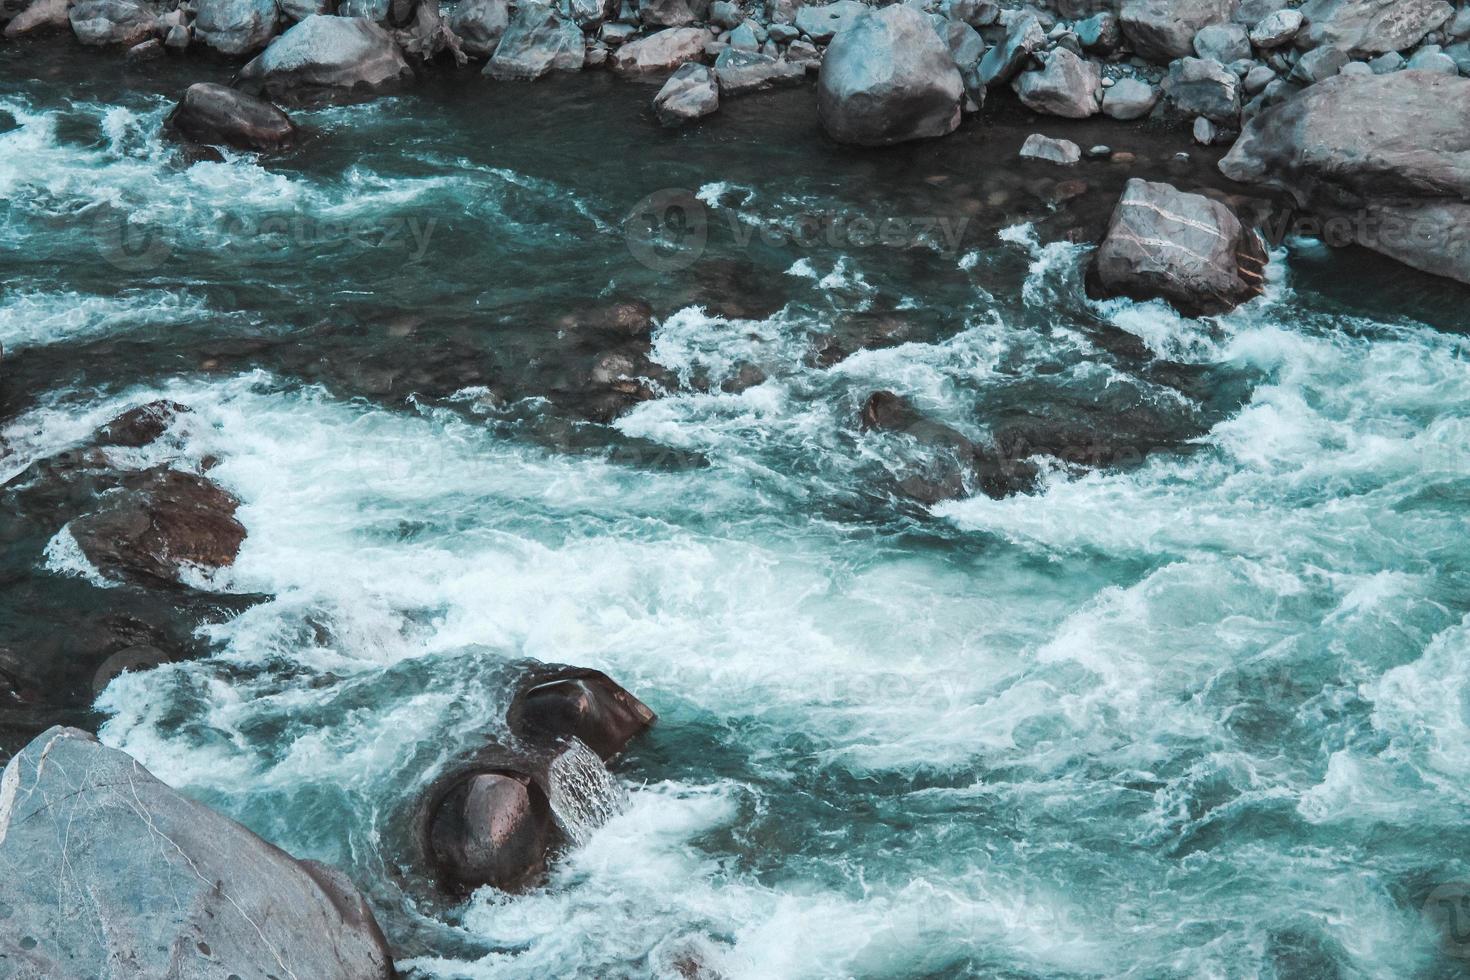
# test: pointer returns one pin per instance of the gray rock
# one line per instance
(1204, 131)
(1435, 61)
(661, 51)
(1460, 54)
(615, 34)
(1196, 87)
(1163, 30)
(804, 53)
(1100, 33)
(1317, 64)
(1356, 68)
(740, 72)
(109, 872)
(1459, 27)
(293, 11)
(724, 14)
(1252, 12)
(1277, 29)
(480, 24)
(783, 33)
(38, 17)
(1024, 37)
(1066, 87)
(102, 22)
(235, 27)
(1223, 43)
(590, 14)
(976, 13)
(373, 10)
(149, 50)
(1187, 249)
(1388, 63)
(537, 41)
(1258, 78)
(1048, 150)
(326, 59)
(216, 114)
(1368, 27)
(1388, 155)
(689, 94)
(744, 37)
(967, 47)
(823, 23)
(888, 79)
(669, 13)
(177, 39)
(1131, 98)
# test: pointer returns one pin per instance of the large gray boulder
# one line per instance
(661, 51)
(110, 873)
(102, 22)
(689, 94)
(1369, 27)
(888, 79)
(326, 59)
(480, 24)
(1163, 30)
(741, 72)
(1024, 37)
(37, 17)
(235, 27)
(1198, 87)
(1386, 157)
(538, 41)
(214, 114)
(1068, 86)
(1187, 249)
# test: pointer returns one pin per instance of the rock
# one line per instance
(1044, 148)
(1277, 29)
(109, 872)
(589, 14)
(1163, 243)
(235, 27)
(1369, 27)
(726, 15)
(1459, 28)
(689, 94)
(669, 13)
(967, 47)
(149, 50)
(662, 51)
(616, 34)
(427, 35)
(567, 702)
(1386, 64)
(102, 22)
(1162, 30)
(1223, 43)
(740, 72)
(1385, 155)
(1024, 37)
(37, 17)
(326, 59)
(1257, 79)
(1131, 98)
(804, 53)
(1101, 33)
(1318, 64)
(1066, 87)
(1204, 131)
(1356, 68)
(376, 11)
(177, 38)
(823, 22)
(1460, 55)
(887, 80)
(479, 24)
(955, 466)
(216, 114)
(294, 11)
(491, 828)
(1195, 87)
(537, 42)
(1435, 61)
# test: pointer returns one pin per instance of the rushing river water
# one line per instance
(1201, 715)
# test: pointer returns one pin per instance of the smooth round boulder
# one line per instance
(585, 704)
(890, 78)
(217, 114)
(326, 59)
(236, 27)
(491, 828)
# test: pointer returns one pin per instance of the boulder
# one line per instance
(1426, 59)
(558, 703)
(538, 41)
(1164, 243)
(235, 27)
(1066, 87)
(1387, 156)
(1162, 30)
(1100, 33)
(217, 114)
(1196, 87)
(102, 22)
(726, 15)
(1130, 98)
(670, 13)
(689, 94)
(109, 872)
(888, 79)
(1277, 29)
(294, 11)
(1048, 150)
(479, 25)
(427, 35)
(326, 59)
(1224, 43)
(739, 72)
(1318, 64)
(967, 48)
(661, 51)
(589, 14)
(42, 15)
(490, 828)
(1370, 27)
(1024, 37)
(823, 22)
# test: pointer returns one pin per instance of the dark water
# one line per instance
(1199, 716)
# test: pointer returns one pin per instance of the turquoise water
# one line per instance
(1203, 716)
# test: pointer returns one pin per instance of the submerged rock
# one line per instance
(537, 42)
(689, 94)
(491, 828)
(326, 59)
(888, 79)
(105, 865)
(954, 465)
(216, 114)
(1163, 243)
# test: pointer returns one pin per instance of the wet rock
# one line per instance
(955, 466)
(537, 42)
(1024, 37)
(661, 51)
(1131, 98)
(689, 94)
(216, 114)
(889, 79)
(1277, 29)
(1163, 243)
(103, 22)
(142, 425)
(158, 523)
(1048, 150)
(326, 59)
(106, 865)
(1196, 87)
(491, 828)
(1066, 87)
(1384, 155)
(235, 27)
(741, 72)
(561, 703)
(1162, 30)
(823, 22)
(479, 25)
(39, 17)
(1369, 27)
